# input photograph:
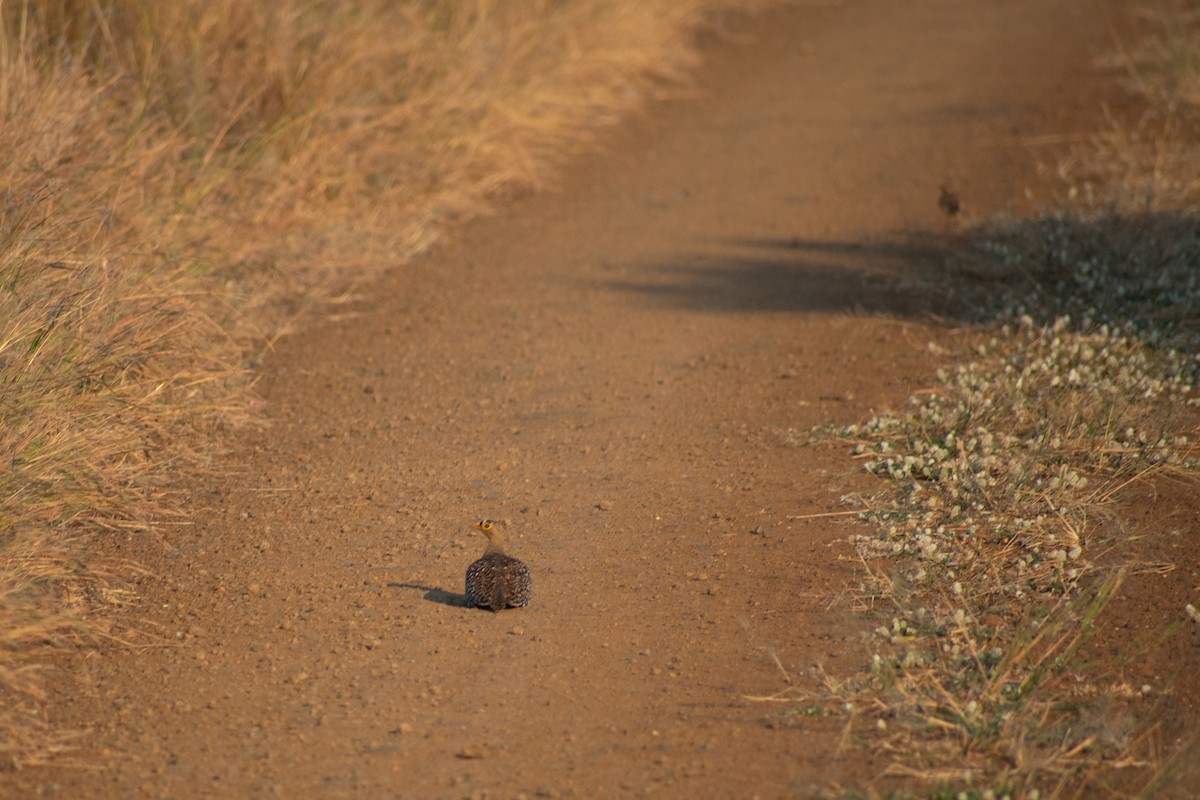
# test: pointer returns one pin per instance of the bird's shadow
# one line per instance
(435, 594)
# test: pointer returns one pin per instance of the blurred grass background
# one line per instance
(181, 179)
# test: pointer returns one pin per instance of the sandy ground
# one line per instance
(611, 369)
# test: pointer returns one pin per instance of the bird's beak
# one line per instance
(478, 526)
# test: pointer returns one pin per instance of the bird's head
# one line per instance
(492, 531)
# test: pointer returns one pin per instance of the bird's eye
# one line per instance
(486, 525)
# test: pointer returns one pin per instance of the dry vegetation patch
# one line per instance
(1001, 481)
(996, 544)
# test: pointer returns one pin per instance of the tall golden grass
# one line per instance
(172, 170)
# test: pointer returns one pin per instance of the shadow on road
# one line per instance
(793, 275)
(1125, 269)
(435, 594)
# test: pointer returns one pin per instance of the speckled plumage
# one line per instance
(496, 580)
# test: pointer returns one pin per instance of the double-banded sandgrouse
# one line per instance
(496, 580)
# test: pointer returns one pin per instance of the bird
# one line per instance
(496, 580)
(948, 201)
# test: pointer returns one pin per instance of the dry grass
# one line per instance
(991, 550)
(182, 179)
(355, 130)
(1164, 63)
(1149, 163)
(999, 480)
(106, 357)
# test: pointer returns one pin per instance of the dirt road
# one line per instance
(612, 370)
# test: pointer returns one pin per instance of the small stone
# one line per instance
(472, 752)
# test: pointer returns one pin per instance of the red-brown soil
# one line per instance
(612, 369)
